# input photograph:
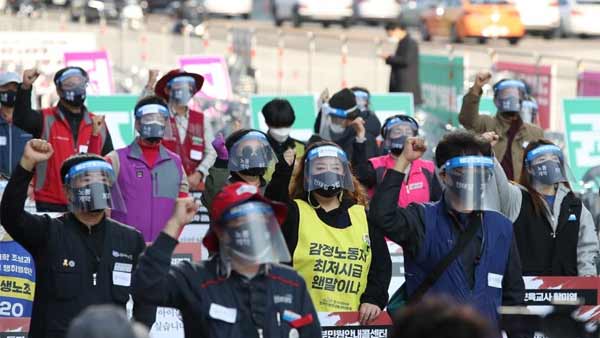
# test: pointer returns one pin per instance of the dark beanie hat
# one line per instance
(344, 99)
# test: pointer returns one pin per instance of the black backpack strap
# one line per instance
(475, 223)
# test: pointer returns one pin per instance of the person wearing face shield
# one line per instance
(421, 184)
(81, 258)
(12, 138)
(458, 246)
(514, 131)
(191, 133)
(68, 126)
(242, 291)
(279, 116)
(555, 232)
(245, 157)
(341, 123)
(334, 246)
(150, 176)
(363, 100)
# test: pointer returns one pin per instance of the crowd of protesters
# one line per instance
(295, 228)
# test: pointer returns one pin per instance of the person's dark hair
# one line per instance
(397, 24)
(440, 318)
(237, 135)
(525, 180)
(150, 99)
(279, 113)
(359, 195)
(101, 321)
(75, 160)
(460, 143)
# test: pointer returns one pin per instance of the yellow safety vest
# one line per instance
(333, 262)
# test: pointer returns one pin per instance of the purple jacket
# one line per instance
(149, 193)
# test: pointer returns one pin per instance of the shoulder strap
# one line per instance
(435, 274)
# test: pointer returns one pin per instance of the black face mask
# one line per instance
(93, 197)
(328, 193)
(254, 172)
(8, 98)
(74, 97)
(396, 151)
(329, 183)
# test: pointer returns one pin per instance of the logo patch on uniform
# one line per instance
(139, 173)
(287, 299)
(117, 254)
(572, 217)
(246, 189)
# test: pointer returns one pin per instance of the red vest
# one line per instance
(57, 131)
(191, 150)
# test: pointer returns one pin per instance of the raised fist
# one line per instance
(36, 151)
(481, 79)
(29, 77)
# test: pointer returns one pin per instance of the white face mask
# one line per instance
(336, 128)
(280, 134)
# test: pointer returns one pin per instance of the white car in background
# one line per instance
(323, 11)
(375, 11)
(540, 16)
(580, 17)
(229, 8)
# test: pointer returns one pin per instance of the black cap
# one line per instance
(344, 99)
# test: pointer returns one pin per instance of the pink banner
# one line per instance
(99, 69)
(588, 84)
(216, 75)
(540, 80)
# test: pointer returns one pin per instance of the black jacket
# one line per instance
(545, 252)
(404, 75)
(76, 266)
(380, 272)
(210, 299)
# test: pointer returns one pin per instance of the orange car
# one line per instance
(481, 19)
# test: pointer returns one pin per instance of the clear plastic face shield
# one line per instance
(334, 121)
(154, 122)
(182, 90)
(326, 171)
(396, 131)
(251, 235)
(73, 84)
(362, 99)
(508, 96)
(251, 151)
(90, 187)
(467, 181)
(545, 165)
(529, 110)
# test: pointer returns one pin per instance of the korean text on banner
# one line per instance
(540, 78)
(119, 116)
(588, 84)
(582, 135)
(217, 84)
(442, 82)
(304, 108)
(97, 65)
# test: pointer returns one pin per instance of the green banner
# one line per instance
(487, 106)
(304, 107)
(582, 135)
(386, 105)
(119, 116)
(442, 83)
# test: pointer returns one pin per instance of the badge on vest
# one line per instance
(223, 313)
(415, 186)
(196, 140)
(121, 278)
(495, 280)
(3, 141)
(195, 155)
(83, 148)
(139, 173)
(68, 263)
